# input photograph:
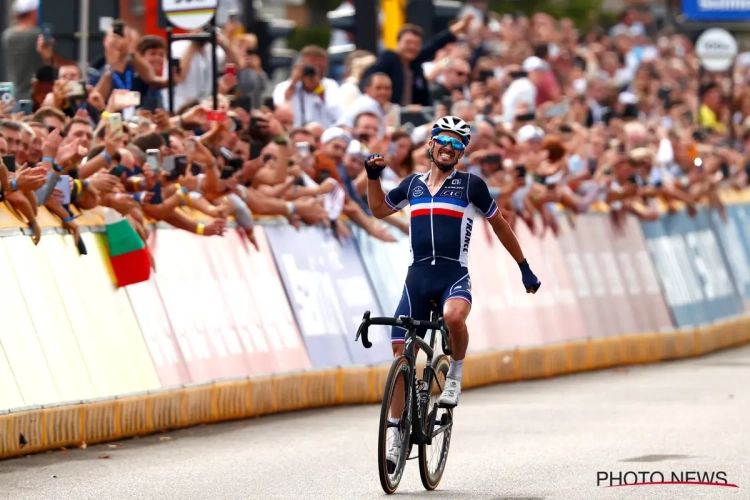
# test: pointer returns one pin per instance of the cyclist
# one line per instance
(443, 203)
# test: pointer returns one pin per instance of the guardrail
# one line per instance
(222, 331)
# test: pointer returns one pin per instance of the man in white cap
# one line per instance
(24, 47)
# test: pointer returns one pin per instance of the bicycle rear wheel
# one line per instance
(391, 473)
(432, 457)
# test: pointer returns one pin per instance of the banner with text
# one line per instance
(695, 277)
(329, 291)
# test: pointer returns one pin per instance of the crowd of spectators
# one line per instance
(621, 117)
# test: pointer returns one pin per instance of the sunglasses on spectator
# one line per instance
(449, 141)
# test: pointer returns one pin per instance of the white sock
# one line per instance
(456, 369)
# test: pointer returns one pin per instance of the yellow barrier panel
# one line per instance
(171, 409)
(394, 12)
(17, 334)
(116, 325)
(49, 316)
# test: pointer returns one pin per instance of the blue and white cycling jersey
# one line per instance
(441, 224)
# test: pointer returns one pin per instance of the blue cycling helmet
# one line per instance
(452, 124)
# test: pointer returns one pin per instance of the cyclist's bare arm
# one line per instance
(376, 199)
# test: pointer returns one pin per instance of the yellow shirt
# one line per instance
(707, 119)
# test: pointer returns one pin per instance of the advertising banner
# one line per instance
(588, 232)
(257, 295)
(37, 269)
(158, 334)
(569, 244)
(736, 246)
(502, 313)
(190, 295)
(112, 321)
(18, 338)
(650, 309)
(716, 10)
(693, 272)
(329, 291)
(386, 264)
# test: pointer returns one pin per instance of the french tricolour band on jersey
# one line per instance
(452, 207)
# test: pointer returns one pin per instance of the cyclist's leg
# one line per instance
(456, 308)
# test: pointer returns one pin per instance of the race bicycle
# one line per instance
(431, 429)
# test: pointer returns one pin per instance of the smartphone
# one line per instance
(392, 150)
(226, 154)
(255, 148)
(175, 64)
(520, 171)
(226, 173)
(150, 104)
(116, 171)
(167, 138)
(25, 106)
(494, 159)
(10, 162)
(230, 69)
(195, 169)
(74, 89)
(64, 185)
(268, 102)
(557, 110)
(7, 91)
(180, 165)
(167, 164)
(303, 149)
(47, 33)
(118, 28)
(216, 116)
(115, 124)
(152, 158)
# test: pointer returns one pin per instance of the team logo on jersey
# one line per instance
(453, 194)
(456, 182)
(418, 191)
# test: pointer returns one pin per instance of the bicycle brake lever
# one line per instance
(362, 331)
(445, 335)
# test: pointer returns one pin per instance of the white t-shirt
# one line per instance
(309, 107)
(197, 83)
(519, 91)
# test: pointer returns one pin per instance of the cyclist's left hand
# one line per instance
(530, 281)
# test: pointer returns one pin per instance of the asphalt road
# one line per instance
(526, 441)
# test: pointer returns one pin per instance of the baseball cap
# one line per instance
(334, 133)
(534, 63)
(357, 149)
(25, 6)
(529, 133)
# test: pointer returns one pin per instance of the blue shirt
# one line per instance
(441, 225)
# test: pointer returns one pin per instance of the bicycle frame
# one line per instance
(416, 401)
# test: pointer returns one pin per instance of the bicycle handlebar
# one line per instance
(402, 321)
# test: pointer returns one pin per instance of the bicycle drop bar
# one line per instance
(402, 321)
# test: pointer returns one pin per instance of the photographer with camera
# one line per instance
(308, 92)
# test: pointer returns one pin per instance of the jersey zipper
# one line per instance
(432, 227)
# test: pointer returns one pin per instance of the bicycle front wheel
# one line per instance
(432, 457)
(393, 438)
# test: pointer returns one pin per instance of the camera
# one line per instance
(309, 70)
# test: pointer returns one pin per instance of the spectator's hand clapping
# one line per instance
(30, 179)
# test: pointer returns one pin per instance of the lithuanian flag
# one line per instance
(128, 254)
